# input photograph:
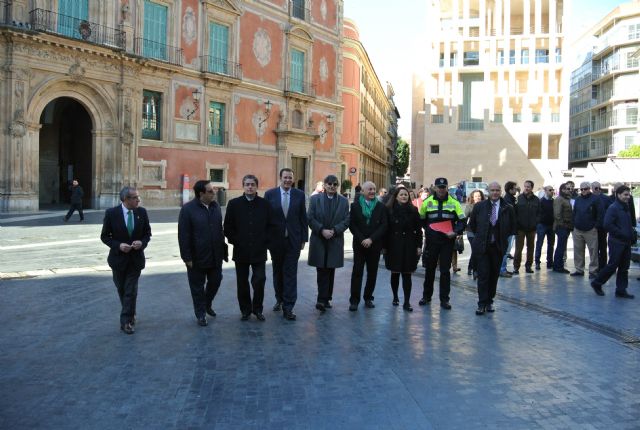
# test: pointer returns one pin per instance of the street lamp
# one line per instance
(324, 132)
(267, 113)
(196, 102)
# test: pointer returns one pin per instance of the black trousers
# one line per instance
(202, 295)
(285, 276)
(488, 267)
(73, 208)
(325, 278)
(126, 282)
(406, 285)
(258, 279)
(437, 249)
(364, 256)
(602, 248)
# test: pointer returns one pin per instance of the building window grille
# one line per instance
(497, 118)
(555, 117)
(151, 114)
(542, 56)
(512, 57)
(629, 141)
(435, 149)
(517, 117)
(216, 175)
(437, 119)
(632, 116)
(216, 123)
(536, 116)
(634, 31)
(525, 56)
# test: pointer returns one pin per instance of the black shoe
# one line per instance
(321, 307)
(289, 316)
(597, 289)
(624, 295)
(528, 270)
(407, 307)
(65, 219)
(480, 310)
(515, 272)
(211, 312)
(127, 328)
(369, 304)
(469, 272)
(564, 271)
(245, 317)
(445, 305)
(277, 307)
(395, 302)
(328, 305)
(353, 307)
(489, 308)
(424, 301)
(259, 316)
(537, 266)
(202, 321)
(549, 266)
(576, 273)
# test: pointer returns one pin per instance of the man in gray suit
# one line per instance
(328, 219)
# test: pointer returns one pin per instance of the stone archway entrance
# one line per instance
(65, 151)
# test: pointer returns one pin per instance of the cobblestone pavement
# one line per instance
(553, 355)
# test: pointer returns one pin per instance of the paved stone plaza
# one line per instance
(553, 355)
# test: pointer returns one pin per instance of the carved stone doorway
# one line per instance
(65, 152)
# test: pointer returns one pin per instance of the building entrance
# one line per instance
(65, 151)
(299, 166)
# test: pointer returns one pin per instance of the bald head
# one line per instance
(369, 190)
(494, 191)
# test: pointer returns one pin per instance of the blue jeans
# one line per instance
(503, 267)
(561, 248)
(543, 231)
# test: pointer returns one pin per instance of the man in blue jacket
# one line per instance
(544, 229)
(596, 188)
(202, 247)
(587, 214)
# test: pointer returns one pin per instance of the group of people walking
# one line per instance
(280, 224)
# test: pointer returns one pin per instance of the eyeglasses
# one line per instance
(134, 197)
(332, 184)
(210, 191)
(494, 191)
(442, 186)
(585, 189)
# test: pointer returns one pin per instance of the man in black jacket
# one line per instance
(202, 247)
(492, 222)
(76, 201)
(544, 228)
(527, 209)
(247, 225)
(368, 224)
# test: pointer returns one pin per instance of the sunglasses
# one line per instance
(332, 184)
(585, 189)
(442, 186)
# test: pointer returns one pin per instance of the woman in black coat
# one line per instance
(403, 243)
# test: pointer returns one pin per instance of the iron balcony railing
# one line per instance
(471, 125)
(297, 10)
(158, 51)
(221, 66)
(75, 28)
(219, 139)
(301, 87)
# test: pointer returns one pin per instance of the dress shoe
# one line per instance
(598, 289)
(369, 304)
(505, 275)
(424, 301)
(289, 316)
(564, 271)
(624, 295)
(328, 305)
(576, 273)
(529, 270)
(407, 307)
(445, 305)
(470, 272)
(202, 321)
(480, 310)
(537, 266)
(133, 321)
(489, 308)
(211, 312)
(353, 307)
(277, 307)
(549, 266)
(510, 257)
(244, 317)
(65, 219)
(456, 269)
(515, 272)
(259, 316)
(395, 302)
(321, 307)
(127, 328)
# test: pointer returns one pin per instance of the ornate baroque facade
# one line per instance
(144, 92)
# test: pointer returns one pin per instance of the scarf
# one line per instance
(367, 209)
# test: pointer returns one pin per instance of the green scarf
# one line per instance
(367, 209)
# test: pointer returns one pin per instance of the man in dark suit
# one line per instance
(289, 234)
(247, 225)
(126, 231)
(76, 201)
(368, 224)
(492, 222)
(202, 247)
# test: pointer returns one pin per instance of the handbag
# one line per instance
(459, 245)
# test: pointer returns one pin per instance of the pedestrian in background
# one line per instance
(527, 209)
(126, 231)
(562, 225)
(619, 225)
(587, 214)
(76, 201)
(544, 228)
(202, 247)
(596, 189)
(475, 197)
(510, 190)
(403, 244)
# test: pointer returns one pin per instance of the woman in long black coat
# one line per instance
(403, 243)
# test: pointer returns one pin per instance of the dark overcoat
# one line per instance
(247, 226)
(327, 253)
(403, 239)
(376, 228)
(480, 225)
(114, 232)
(200, 235)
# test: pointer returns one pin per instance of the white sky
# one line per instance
(393, 35)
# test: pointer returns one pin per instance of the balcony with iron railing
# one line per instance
(157, 51)
(75, 28)
(219, 139)
(471, 125)
(221, 66)
(299, 11)
(296, 86)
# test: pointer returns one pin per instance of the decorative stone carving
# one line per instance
(189, 26)
(18, 129)
(324, 69)
(76, 71)
(152, 173)
(262, 47)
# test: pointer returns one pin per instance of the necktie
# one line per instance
(494, 213)
(285, 203)
(130, 222)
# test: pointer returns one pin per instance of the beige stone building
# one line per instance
(491, 103)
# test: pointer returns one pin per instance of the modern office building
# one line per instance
(491, 102)
(605, 89)
(150, 92)
(370, 118)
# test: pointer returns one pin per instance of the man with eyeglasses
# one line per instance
(126, 231)
(202, 247)
(562, 226)
(596, 189)
(544, 228)
(328, 217)
(587, 214)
